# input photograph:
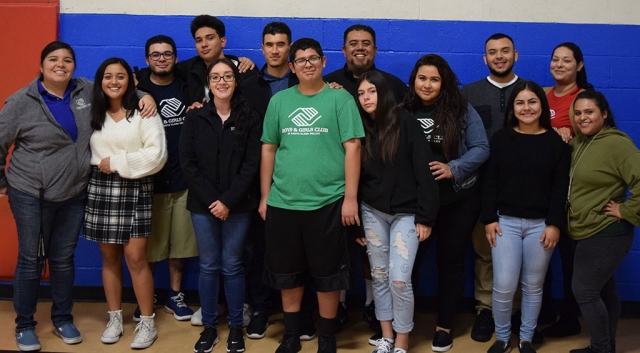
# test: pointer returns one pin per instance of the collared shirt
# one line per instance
(277, 84)
(60, 108)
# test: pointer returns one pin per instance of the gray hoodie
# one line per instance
(45, 156)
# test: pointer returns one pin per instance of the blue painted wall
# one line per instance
(612, 57)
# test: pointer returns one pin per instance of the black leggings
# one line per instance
(594, 285)
(453, 228)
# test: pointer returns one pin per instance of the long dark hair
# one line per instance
(386, 126)
(239, 104)
(545, 115)
(581, 76)
(451, 106)
(100, 103)
(601, 102)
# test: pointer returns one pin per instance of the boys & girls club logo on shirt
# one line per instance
(81, 104)
(304, 118)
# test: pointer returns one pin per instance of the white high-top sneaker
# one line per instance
(147, 332)
(114, 328)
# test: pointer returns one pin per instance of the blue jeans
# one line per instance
(61, 227)
(518, 255)
(392, 244)
(220, 248)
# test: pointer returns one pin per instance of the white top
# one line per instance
(137, 146)
(502, 85)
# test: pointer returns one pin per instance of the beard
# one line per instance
(162, 73)
(504, 73)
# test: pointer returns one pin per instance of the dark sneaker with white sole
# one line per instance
(208, 338)
(235, 342)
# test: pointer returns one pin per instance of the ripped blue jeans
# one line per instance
(391, 246)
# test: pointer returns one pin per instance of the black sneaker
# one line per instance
(583, 350)
(482, 330)
(307, 328)
(373, 340)
(537, 337)
(563, 328)
(500, 347)
(369, 316)
(442, 341)
(341, 317)
(235, 342)
(327, 344)
(289, 344)
(258, 325)
(526, 347)
(208, 338)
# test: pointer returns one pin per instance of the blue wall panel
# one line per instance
(611, 53)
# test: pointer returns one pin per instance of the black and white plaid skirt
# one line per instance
(117, 208)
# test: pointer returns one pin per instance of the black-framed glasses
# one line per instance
(168, 55)
(313, 60)
(226, 78)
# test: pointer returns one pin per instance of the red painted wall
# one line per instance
(27, 26)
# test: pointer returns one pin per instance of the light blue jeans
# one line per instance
(391, 246)
(518, 256)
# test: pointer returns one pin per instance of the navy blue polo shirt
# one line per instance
(60, 108)
(277, 84)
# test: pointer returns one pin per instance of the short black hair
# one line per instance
(304, 44)
(360, 27)
(497, 36)
(207, 21)
(159, 39)
(274, 28)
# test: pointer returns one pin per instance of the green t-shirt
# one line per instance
(309, 131)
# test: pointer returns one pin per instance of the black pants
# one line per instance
(570, 309)
(453, 228)
(594, 285)
(258, 294)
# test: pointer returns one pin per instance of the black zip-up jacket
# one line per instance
(344, 76)
(258, 91)
(194, 71)
(212, 166)
(406, 185)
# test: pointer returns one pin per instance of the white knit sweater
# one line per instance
(137, 147)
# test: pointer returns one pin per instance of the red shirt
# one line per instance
(560, 107)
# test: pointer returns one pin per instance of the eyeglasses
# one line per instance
(313, 60)
(168, 55)
(226, 78)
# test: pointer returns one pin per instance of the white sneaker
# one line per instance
(114, 328)
(196, 318)
(147, 332)
(246, 314)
